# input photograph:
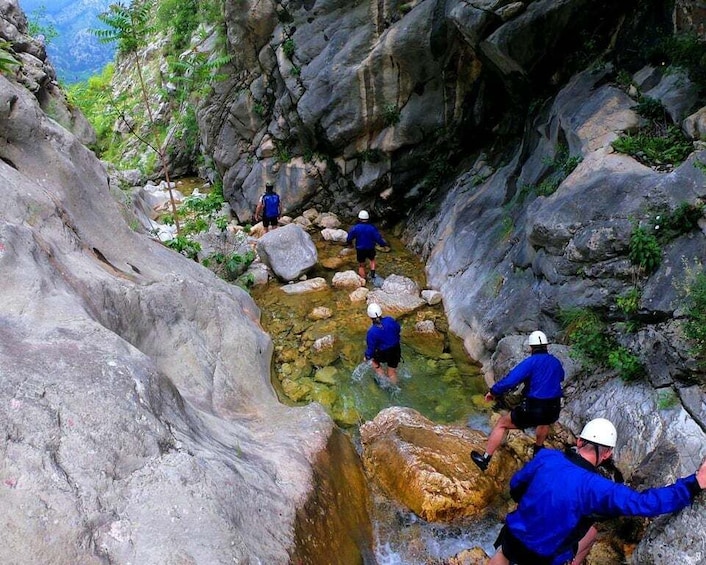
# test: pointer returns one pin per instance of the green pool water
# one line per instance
(441, 387)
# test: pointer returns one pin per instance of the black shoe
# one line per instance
(536, 449)
(480, 460)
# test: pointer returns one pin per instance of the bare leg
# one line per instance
(498, 559)
(540, 434)
(378, 369)
(361, 270)
(585, 545)
(372, 264)
(392, 375)
(497, 435)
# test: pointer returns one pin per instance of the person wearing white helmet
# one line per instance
(542, 375)
(268, 207)
(561, 494)
(383, 343)
(366, 236)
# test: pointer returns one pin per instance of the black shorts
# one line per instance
(516, 552)
(391, 357)
(363, 254)
(536, 412)
(269, 221)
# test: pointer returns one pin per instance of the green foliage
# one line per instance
(629, 302)
(645, 251)
(282, 152)
(246, 281)
(208, 205)
(659, 143)
(586, 333)
(181, 17)
(593, 346)
(128, 26)
(37, 25)
(7, 61)
(289, 48)
(695, 326)
(682, 50)
(560, 167)
(195, 225)
(626, 364)
(390, 115)
(666, 399)
(682, 220)
(94, 98)
(185, 246)
(229, 266)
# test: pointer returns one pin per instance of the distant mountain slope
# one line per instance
(75, 53)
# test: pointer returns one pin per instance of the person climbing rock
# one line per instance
(383, 343)
(268, 208)
(542, 374)
(560, 494)
(365, 235)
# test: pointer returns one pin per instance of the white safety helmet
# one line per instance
(600, 431)
(537, 338)
(363, 215)
(374, 310)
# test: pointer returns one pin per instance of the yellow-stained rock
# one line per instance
(475, 556)
(427, 467)
(429, 343)
(296, 390)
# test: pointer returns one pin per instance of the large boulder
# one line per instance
(135, 391)
(289, 251)
(427, 467)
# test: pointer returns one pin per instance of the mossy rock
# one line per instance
(326, 375)
(297, 390)
(324, 395)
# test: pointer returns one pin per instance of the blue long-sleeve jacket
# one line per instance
(558, 492)
(542, 374)
(383, 336)
(365, 236)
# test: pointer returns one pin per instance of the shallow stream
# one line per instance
(438, 379)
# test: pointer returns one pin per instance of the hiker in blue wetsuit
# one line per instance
(366, 236)
(268, 208)
(560, 495)
(542, 375)
(383, 343)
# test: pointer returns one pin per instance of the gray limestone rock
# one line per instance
(136, 400)
(289, 251)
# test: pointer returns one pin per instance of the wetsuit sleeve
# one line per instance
(516, 376)
(604, 497)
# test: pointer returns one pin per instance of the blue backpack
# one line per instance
(270, 203)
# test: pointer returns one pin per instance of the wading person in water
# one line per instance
(268, 209)
(561, 494)
(365, 235)
(542, 375)
(383, 343)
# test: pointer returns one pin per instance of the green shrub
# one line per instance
(645, 251)
(666, 399)
(695, 326)
(654, 149)
(682, 220)
(229, 266)
(586, 333)
(626, 364)
(629, 302)
(390, 115)
(289, 48)
(185, 246)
